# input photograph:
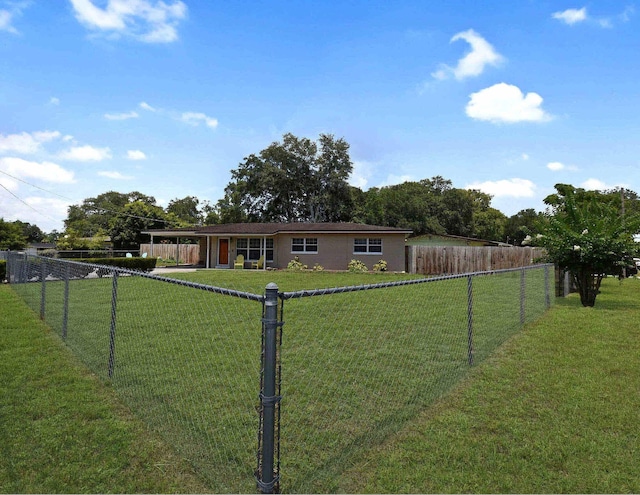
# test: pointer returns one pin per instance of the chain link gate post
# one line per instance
(43, 277)
(267, 473)
(112, 328)
(522, 296)
(547, 289)
(65, 309)
(470, 319)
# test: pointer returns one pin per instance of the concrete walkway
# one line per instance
(169, 269)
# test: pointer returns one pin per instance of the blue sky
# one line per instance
(167, 97)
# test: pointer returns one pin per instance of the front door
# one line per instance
(223, 252)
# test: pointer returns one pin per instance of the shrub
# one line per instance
(3, 270)
(356, 266)
(296, 265)
(140, 264)
(380, 266)
(318, 268)
(49, 253)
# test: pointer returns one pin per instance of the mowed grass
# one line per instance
(555, 410)
(62, 430)
(357, 368)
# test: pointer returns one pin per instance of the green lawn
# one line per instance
(556, 410)
(357, 368)
(63, 431)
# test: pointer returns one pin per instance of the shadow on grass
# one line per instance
(605, 301)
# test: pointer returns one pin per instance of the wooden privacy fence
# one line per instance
(451, 260)
(188, 254)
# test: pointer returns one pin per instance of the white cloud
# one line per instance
(85, 154)
(46, 213)
(524, 156)
(145, 20)
(557, 166)
(360, 174)
(45, 171)
(54, 101)
(517, 188)
(195, 118)
(598, 185)
(144, 105)
(8, 182)
(506, 103)
(26, 143)
(474, 62)
(594, 185)
(393, 179)
(5, 22)
(575, 16)
(136, 155)
(114, 175)
(571, 16)
(627, 13)
(121, 116)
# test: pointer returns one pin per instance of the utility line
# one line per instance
(73, 201)
(27, 204)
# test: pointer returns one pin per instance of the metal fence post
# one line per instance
(65, 309)
(470, 319)
(522, 296)
(547, 288)
(43, 278)
(112, 330)
(266, 476)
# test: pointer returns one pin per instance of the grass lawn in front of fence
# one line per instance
(63, 431)
(357, 367)
(556, 410)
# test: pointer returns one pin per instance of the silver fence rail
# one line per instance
(284, 391)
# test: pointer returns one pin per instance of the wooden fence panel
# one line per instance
(452, 260)
(189, 253)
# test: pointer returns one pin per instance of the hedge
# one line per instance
(3, 270)
(141, 264)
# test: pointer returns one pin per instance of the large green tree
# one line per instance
(525, 223)
(97, 215)
(186, 209)
(11, 235)
(136, 217)
(412, 205)
(588, 235)
(294, 180)
(31, 231)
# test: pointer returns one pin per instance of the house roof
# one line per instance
(277, 228)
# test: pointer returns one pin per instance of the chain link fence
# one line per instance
(335, 372)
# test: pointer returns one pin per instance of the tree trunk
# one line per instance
(588, 285)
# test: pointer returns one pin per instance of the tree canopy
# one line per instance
(291, 181)
(589, 235)
(11, 235)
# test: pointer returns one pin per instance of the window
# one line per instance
(304, 245)
(370, 245)
(253, 247)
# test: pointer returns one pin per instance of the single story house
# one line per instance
(331, 245)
